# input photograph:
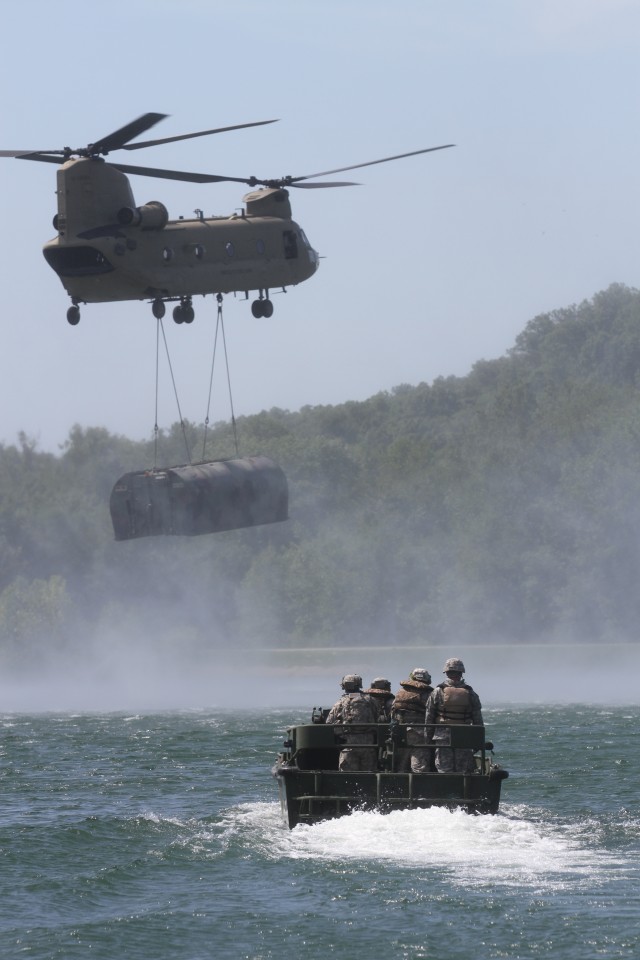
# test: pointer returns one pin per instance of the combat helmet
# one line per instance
(454, 664)
(351, 682)
(381, 683)
(421, 674)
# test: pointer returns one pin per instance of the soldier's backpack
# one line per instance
(359, 709)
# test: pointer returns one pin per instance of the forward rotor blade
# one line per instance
(28, 154)
(371, 163)
(190, 136)
(122, 136)
(176, 174)
(330, 183)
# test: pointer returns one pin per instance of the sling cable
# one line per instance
(207, 496)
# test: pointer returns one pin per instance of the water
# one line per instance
(158, 837)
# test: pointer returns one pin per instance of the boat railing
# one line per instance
(317, 746)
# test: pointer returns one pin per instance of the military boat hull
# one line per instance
(312, 788)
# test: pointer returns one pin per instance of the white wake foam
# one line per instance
(511, 848)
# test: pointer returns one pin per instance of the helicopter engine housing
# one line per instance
(151, 216)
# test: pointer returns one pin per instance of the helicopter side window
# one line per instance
(290, 240)
(260, 247)
(199, 251)
(230, 249)
(167, 254)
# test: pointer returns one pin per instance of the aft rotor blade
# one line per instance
(45, 157)
(190, 136)
(117, 139)
(371, 163)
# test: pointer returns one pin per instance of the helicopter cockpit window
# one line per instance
(290, 239)
(303, 237)
(230, 249)
(167, 254)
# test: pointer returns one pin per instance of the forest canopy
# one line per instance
(502, 506)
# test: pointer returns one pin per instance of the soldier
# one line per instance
(409, 707)
(453, 701)
(380, 693)
(355, 707)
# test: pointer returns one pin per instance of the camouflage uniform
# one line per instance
(409, 707)
(380, 693)
(355, 707)
(453, 701)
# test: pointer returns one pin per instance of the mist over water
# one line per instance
(121, 672)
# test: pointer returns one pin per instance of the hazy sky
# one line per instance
(433, 263)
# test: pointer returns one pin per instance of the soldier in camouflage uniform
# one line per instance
(355, 707)
(380, 693)
(453, 701)
(409, 707)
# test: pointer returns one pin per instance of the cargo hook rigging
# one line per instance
(156, 430)
(160, 327)
(220, 328)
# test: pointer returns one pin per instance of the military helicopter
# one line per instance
(109, 249)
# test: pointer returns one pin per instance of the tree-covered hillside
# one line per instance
(500, 506)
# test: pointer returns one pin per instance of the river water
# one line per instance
(158, 836)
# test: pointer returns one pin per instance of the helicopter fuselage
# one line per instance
(108, 249)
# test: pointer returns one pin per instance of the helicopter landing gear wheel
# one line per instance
(184, 313)
(262, 308)
(73, 315)
(158, 309)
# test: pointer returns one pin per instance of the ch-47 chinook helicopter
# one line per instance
(109, 249)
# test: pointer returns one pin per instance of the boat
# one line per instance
(312, 788)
